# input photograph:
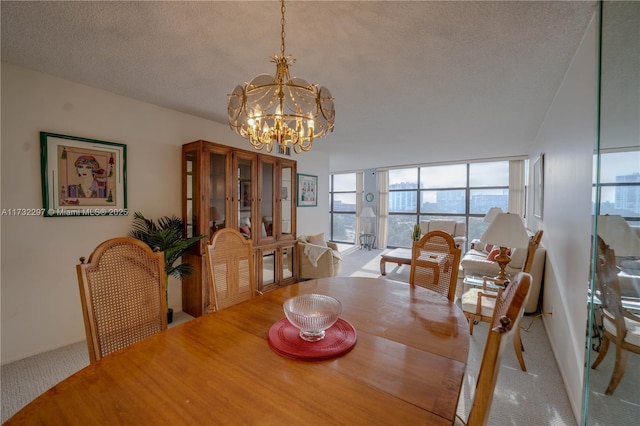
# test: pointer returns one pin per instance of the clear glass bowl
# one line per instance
(312, 314)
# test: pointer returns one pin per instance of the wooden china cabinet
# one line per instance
(226, 187)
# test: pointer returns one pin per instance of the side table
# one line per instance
(476, 281)
(367, 241)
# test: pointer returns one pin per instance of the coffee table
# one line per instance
(401, 256)
(477, 281)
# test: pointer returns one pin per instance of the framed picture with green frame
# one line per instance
(307, 190)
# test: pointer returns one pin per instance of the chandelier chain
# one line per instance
(282, 22)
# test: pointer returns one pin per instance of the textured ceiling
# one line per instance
(455, 79)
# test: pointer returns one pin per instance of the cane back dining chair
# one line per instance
(435, 261)
(123, 294)
(478, 304)
(231, 269)
(509, 307)
(622, 327)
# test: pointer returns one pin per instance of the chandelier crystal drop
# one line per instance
(279, 109)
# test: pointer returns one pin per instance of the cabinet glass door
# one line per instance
(190, 206)
(217, 191)
(268, 268)
(245, 185)
(266, 200)
(288, 262)
(287, 201)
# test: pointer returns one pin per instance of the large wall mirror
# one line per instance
(612, 389)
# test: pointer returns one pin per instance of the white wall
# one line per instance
(567, 137)
(313, 220)
(40, 300)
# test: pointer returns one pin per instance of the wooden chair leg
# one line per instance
(603, 352)
(471, 322)
(517, 345)
(618, 370)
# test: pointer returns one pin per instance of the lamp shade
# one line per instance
(617, 234)
(491, 214)
(367, 212)
(214, 214)
(506, 230)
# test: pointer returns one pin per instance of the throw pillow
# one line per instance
(317, 240)
(488, 248)
(518, 257)
(245, 230)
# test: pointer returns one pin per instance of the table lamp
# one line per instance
(368, 214)
(506, 230)
(491, 214)
(617, 234)
(214, 216)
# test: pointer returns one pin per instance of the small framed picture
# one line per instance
(307, 190)
(245, 195)
(284, 151)
(82, 177)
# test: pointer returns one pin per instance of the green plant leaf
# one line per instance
(166, 233)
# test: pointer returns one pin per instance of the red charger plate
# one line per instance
(284, 339)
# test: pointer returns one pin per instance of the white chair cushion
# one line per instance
(424, 226)
(470, 301)
(448, 226)
(479, 265)
(633, 330)
(518, 256)
(461, 229)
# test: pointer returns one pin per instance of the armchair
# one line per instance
(317, 258)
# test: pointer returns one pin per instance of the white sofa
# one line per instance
(476, 262)
(458, 230)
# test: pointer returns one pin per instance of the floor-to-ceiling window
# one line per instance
(343, 197)
(620, 184)
(463, 192)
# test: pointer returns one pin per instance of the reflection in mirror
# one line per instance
(612, 386)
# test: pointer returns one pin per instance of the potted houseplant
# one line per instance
(416, 232)
(166, 233)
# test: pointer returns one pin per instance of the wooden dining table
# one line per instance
(407, 367)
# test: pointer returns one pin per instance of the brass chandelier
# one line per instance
(279, 109)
